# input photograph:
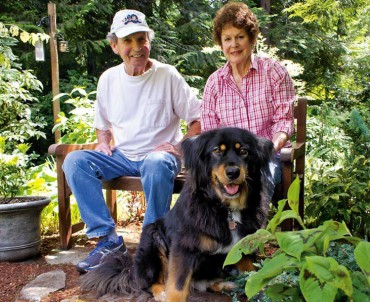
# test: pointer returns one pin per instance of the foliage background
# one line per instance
(325, 43)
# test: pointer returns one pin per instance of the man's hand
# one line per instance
(167, 147)
(104, 139)
(105, 148)
(194, 129)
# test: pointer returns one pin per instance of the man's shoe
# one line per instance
(102, 249)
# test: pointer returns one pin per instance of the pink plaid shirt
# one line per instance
(264, 106)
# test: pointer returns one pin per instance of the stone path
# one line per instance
(46, 283)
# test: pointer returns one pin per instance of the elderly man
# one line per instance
(139, 106)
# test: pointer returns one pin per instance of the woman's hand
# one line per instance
(279, 140)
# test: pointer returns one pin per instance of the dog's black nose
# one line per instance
(232, 172)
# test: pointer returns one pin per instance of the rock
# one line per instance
(42, 285)
(72, 256)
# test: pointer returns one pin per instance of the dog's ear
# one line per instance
(187, 151)
(195, 159)
(192, 149)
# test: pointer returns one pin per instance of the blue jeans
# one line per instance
(85, 170)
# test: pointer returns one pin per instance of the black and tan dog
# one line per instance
(223, 200)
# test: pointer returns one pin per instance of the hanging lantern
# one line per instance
(63, 46)
(39, 51)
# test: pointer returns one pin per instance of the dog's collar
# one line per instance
(230, 219)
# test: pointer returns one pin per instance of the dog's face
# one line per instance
(228, 160)
(229, 170)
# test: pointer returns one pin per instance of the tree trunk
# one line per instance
(266, 5)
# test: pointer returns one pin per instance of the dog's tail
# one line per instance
(114, 275)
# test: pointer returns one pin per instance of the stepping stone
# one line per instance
(72, 256)
(42, 285)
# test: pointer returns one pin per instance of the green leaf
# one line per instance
(58, 96)
(293, 195)
(281, 214)
(361, 287)
(247, 245)
(80, 90)
(2, 145)
(329, 274)
(277, 292)
(313, 291)
(291, 243)
(331, 230)
(275, 221)
(288, 214)
(271, 268)
(23, 148)
(362, 256)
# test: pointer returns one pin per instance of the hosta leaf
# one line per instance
(293, 195)
(291, 243)
(247, 245)
(328, 272)
(361, 287)
(362, 256)
(314, 291)
(278, 292)
(271, 268)
(275, 221)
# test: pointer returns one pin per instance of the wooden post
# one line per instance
(54, 63)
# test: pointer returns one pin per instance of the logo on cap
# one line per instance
(131, 19)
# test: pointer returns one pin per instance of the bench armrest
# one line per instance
(290, 154)
(64, 149)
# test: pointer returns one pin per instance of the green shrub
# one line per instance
(12, 170)
(321, 271)
(77, 127)
(338, 169)
(18, 124)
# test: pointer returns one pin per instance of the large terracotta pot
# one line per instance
(20, 236)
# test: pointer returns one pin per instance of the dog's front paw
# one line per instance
(220, 286)
(159, 293)
(161, 297)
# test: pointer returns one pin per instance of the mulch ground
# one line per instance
(15, 275)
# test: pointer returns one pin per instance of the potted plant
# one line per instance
(20, 235)
(21, 121)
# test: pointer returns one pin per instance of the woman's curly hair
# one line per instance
(240, 16)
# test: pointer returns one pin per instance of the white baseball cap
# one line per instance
(129, 21)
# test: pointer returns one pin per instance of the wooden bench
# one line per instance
(293, 160)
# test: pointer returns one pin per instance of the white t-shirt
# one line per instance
(144, 111)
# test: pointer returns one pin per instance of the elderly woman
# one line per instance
(249, 92)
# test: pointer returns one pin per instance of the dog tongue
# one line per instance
(231, 189)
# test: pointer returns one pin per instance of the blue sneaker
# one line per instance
(103, 248)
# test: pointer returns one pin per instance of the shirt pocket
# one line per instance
(156, 114)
